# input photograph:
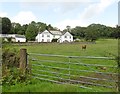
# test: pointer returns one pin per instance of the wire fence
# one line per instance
(81, 71)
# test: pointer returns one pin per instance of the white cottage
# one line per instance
(48, 36)
(66, 37)
(20, 38)
(14, 37)
(45, 36)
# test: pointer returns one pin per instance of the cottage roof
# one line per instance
(56, 32)
(19, 36)
(52, 32)
(12, 35)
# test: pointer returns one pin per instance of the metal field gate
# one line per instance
(81, 71)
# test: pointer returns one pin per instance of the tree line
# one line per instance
(89, 33)
(95, 31)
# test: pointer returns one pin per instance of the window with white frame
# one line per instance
(48, 35)
(42, 40)
(65, 36)
(42, 35)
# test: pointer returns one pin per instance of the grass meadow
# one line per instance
(102, 48)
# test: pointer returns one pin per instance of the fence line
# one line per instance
(96, 65)
(60, 82)
(74, 81)
(69, 68)
(109, 73)
(76, 75)
(86, 57)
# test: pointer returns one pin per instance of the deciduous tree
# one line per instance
(6, 25)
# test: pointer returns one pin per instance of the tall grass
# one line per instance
(43, 86)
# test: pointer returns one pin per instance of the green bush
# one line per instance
(54, 40)
(10, 59)
(11, 73)
(77, 41)
(14, 76)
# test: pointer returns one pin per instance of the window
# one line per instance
(70, 37)
(65, 36)
(42, 35)
(48, 35)
(42, 40)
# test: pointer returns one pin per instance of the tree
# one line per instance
(116, 32)
(41, 26)
(17, 28)
(49, 27)
(68, 28)
(31, 32)
(78, 32)
(23, 29)
(92, 33)
(6, 25)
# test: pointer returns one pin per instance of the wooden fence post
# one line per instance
(23, 60)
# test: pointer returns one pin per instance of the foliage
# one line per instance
(31, 32)
(78, 32)
(77, 40)
(116, 33)
(41, 26)
(54, 40)
(13, 76)
(10, 59)
(11, 73)
(18, 29)
(94, 31)
(6, 25)
(49, 27)
(44, 86)
(89, 33)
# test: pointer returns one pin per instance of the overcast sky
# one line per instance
(60, 13)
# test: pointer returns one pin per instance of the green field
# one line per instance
(102, 48)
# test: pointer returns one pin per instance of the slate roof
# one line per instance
(56, 32)
(19, 36)
(12, 35)
(53, 32)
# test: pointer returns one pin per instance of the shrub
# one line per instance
(54, 40)
(10, 59)
(11, 73)
(14, 76)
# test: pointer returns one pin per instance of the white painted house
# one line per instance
(14, 37)
(66, 37)
(48, 36)
(20, 38)
(45, 36)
